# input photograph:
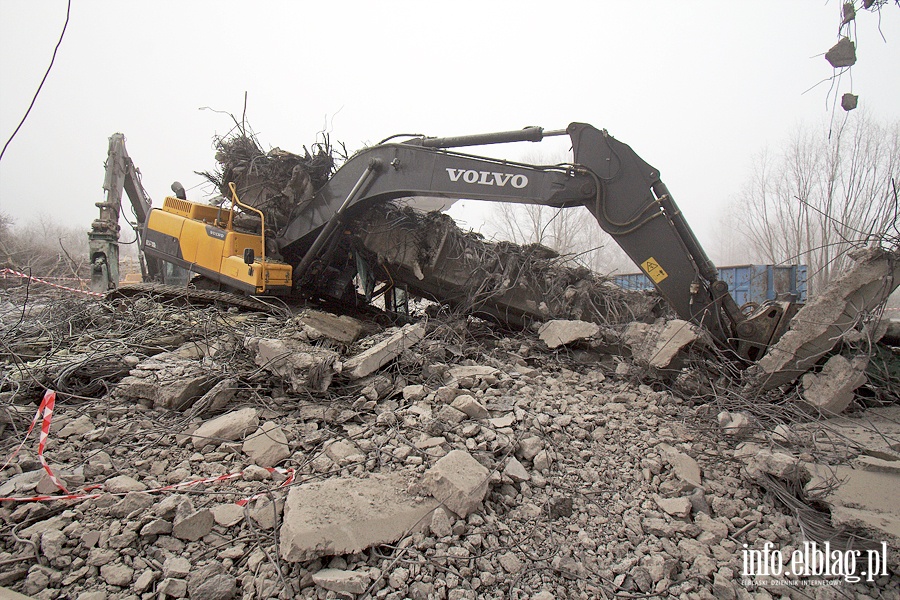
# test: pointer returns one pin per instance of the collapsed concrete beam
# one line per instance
(818, 326)
(372, 359)
(516, 285)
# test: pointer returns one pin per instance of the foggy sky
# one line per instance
(696, 88)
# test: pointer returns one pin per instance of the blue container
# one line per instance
(747, 283)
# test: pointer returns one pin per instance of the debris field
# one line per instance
(210, 452)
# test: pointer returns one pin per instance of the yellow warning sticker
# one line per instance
(653, 270)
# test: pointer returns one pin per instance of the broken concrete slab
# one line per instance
(229, 427)
(831, 390)
(168, 382)
(677, 507)
(300, 364)
(375, 357)
(341, 328)
(817, 327)
(866, 499)
(658, 345)
(342, 581)
(559, 332)
(347, 515)
(458, 481)
(516, 471)
(268, 446)
(466, 371)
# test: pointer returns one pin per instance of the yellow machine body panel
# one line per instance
(195, 236)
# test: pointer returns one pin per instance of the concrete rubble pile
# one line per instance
(242, 455)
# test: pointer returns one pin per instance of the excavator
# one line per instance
(308, 255)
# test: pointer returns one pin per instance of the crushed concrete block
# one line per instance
(152, 383)
(123, 484)
(414, 393)
(339, 580)
(347, 515)
(685, 467)
(76, 428)
(371, 359)
(529, 447)
(342, 328)
(268, 446)
(299, 363)
(515, 471)
(677, 507)
(229, 427)
(778, 464)
(829, 315)
(831, 390)
(228, 515)
(451, 415)
(219, 396)
(211, 582)
(659, 344)
(734, 424)
(458, 481)
(441, 523)
(559, 332)
(470, 406)
(190, 524)
(465, 371)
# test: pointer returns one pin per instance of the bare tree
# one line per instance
(823, 196)
(44, 247)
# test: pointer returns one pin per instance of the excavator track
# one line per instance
(197, 296)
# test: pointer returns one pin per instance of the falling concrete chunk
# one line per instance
(268, 446)
(228, 427)
(458, 481)
(347, 515)
(842, 54)
(820, 324)
(659, 344)
(342, 328)
(559, 332)
(339, 580)
(831, 390)
(849, 101)
(300, 364)
(368, 361)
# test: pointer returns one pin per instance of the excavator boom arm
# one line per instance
(624, 193)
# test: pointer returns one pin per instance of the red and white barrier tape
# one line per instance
(45, 413)
(45, 282)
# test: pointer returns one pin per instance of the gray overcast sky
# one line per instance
(696, 88)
